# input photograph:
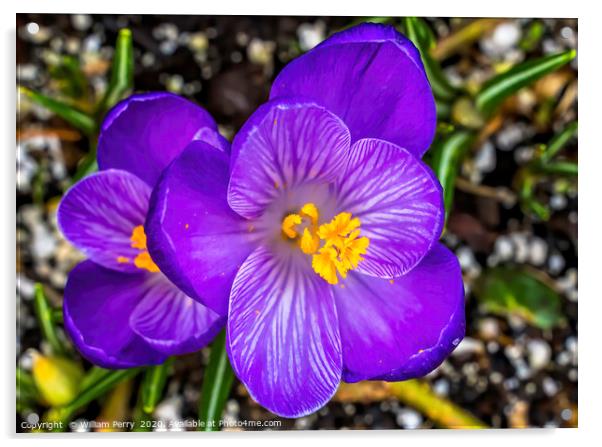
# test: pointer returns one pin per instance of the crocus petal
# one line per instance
(403, 328)
(145, 132)
(398, 201)
(372, 77)
(172, 322)
(284, 144)
(97, 306)
(283, 335)
(192, 234)
(99, 213)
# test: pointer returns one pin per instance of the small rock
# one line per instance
(538, 250)
(485, 159)
(81, 22)
(549, 386)
(556, 263)
(408, 418)
(503, 248)
(468, 346)
(540, 354)
(489, 328)
(311, 34)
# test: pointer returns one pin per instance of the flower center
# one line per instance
(341, 249)
(143, 260)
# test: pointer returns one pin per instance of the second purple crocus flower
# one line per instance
(318, 235)
(119, 309)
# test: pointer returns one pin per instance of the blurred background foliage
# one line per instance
(505, 153)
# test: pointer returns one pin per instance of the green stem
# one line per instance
(122, 72)
(418, 394)
(45, 317)
(447, 156)
(76, 118)
(105, 383)
(506, 84)
(558, 142)
(565, 168)
(153, 384)
(216, 385)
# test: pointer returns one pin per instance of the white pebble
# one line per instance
(521, 247)
(558, 202)
(556, 263)
(408, 418)
(468, 346)
(32, 28)
(489, 328)
(503, 248)
(506, 35)
(550, 387)
(485, 159)
(539, 354)
(311, 34)
(538, 251)
(81, 22)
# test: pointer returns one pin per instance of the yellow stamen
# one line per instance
(342, 249)
(309, 242)
(143, 259)
(324, 264)
(310, 210)
(289, 223)
(138, 238)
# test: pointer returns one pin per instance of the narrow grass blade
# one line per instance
(216, 385)
(76, 118)
(506, 84)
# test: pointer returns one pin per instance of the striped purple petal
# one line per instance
(283, 335)
(99, 213)
(372, 77)
(403, 328)
(144, 133)
(398, 201)
(193, 236)
(285, 144)
(171, 322)
(97, 306)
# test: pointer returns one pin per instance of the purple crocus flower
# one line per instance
(119, 309)
(318, 235)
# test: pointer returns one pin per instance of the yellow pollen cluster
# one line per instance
(143, 260)
(342, 249)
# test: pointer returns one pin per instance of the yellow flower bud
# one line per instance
(57, 378)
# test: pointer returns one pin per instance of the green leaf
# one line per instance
(216, 385)
(506, 84)
(93, 375)
(100, 387)
(87, 164)
(26, 387)
(76, 118)
(122, 72)
(447, 155)
(565, 168)
(463, 37)
(421, 35)
(153, 384)
(513, 291)
(67, 71)
(45, 317)
(57, 316)
(558, 142)
(533, 35)
(419, 395)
